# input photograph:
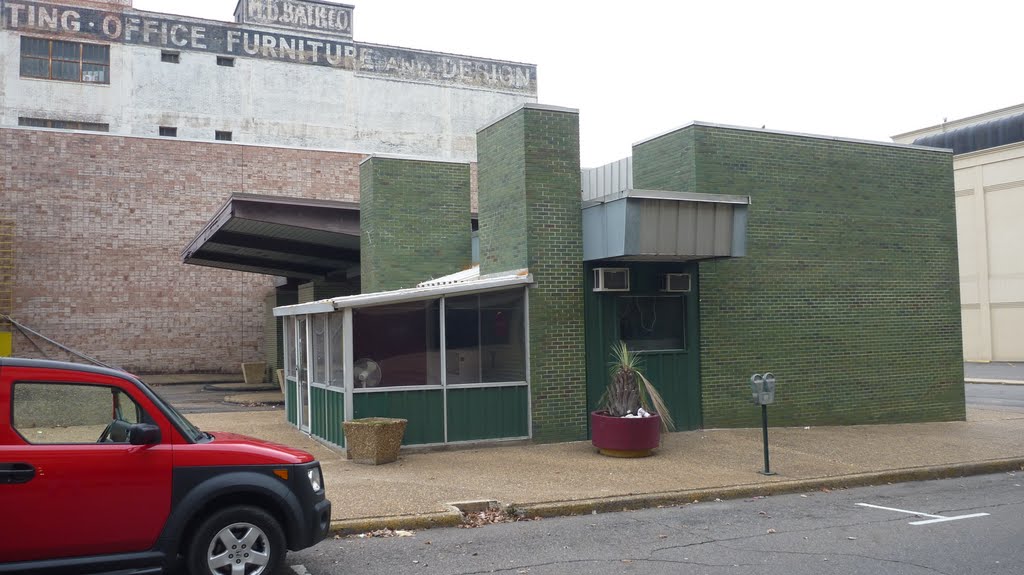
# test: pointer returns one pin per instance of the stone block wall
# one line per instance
(849, 291)
(415, 221)
(530, 217)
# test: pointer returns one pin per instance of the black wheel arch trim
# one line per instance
(234, 484)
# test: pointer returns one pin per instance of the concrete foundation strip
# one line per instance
(454, 516)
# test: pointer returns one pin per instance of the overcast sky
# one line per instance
(638, 68)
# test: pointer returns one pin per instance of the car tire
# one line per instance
(237, 536)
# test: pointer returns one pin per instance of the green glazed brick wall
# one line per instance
(415, 221)
(667, 163)
(530, 216)
(849, 291)
(324, 289)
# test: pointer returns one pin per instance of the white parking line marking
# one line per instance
(900, 510)
(300, 570)
(927, 521)
(934, 518)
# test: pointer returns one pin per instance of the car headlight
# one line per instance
(316, 480)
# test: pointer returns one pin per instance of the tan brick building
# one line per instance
(115, 159)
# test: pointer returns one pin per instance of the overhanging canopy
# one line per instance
(653, 225)
(280, 236)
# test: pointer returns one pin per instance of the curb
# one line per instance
(451, 518)
(261, 398)
(670, 498)
(238, 387)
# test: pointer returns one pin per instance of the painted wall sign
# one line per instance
(230, 39)
(302, 15)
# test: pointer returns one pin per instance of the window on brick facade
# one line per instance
(652, 322)
(170, 57)
(222, 136)
(169, 131)
(63, 124)
(62, 60)
(225, 61)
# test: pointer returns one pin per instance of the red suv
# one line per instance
(99, 474)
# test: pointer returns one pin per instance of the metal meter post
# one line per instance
(762, 389)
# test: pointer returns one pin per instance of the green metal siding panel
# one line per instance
(317, 401)
(487, 413)
(675, 374)
(423, 408)
(328, 410)
(291, 401)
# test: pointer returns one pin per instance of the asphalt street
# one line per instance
(1005, 371)
(1001, 397)
(972, 526)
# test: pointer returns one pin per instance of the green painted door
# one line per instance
(661, 326)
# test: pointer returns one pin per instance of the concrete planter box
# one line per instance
(254, 373)
(374, 440)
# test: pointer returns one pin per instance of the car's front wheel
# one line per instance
(240, 540)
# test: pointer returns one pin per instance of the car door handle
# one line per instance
(16, 473)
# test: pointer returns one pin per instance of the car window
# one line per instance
(58, 413)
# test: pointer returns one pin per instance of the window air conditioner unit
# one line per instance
(611, 279)
(676, 283)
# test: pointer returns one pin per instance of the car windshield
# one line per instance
(187, 427)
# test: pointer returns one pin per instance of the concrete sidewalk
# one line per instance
(570, 478)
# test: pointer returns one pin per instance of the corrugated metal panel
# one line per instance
(457, 277)
(670, 372)
(290, 402)
(982, 136)
(490, 282)
(608, 179)
(328, 411)
(423, 408)
(487, 413)
(644, 224)
(683, 229)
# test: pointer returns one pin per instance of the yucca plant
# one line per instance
(630, 390)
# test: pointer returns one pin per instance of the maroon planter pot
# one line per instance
(624, 436)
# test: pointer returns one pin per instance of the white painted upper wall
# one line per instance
(270, 100)
(989, 186)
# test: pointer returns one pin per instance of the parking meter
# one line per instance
(762, 388)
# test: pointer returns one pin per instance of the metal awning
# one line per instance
(426, 290)
(652, 225)
(280, 236)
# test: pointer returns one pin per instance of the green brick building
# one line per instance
(714, 251)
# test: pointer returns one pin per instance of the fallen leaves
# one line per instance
(385, 532)
(490, 516)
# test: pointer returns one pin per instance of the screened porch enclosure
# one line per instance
(454, 365)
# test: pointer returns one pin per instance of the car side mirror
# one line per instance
(143, 434)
